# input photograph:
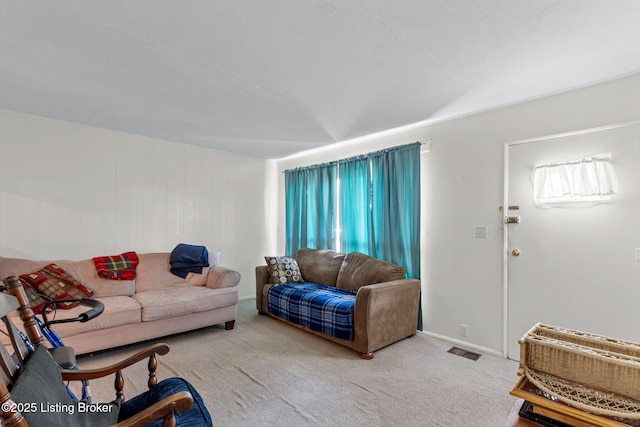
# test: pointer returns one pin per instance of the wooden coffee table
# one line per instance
(515, 420)
(554, 410)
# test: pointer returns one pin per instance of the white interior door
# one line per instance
(577, 267)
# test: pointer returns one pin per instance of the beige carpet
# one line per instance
(267, 373)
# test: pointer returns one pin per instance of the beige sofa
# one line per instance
(157, 303)
(386, 307)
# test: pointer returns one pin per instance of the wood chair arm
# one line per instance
(177, 402)
(150, 352)
(90, 374)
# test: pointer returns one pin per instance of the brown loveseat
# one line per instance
(386, 304)
(157, 303)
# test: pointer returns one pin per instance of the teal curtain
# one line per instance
(355, 205)
(380, 207)
(310, 207)
(395, 207)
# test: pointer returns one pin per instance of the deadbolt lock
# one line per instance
(513, 220)
(515, 252)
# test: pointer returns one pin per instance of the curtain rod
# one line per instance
(425, 146)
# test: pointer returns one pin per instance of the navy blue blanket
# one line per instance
(187, 259)
(320, 308)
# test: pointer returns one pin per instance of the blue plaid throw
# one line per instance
(320, 308)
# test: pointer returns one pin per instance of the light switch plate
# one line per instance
(480, 232)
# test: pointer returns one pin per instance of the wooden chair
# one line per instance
(16, 357)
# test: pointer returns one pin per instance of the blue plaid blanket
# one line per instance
(320, 308)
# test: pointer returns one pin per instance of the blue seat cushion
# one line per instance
(320, 308)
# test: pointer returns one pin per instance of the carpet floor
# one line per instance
(267, 373)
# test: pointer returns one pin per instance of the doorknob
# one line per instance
(515, 252)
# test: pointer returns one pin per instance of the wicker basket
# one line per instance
(589, 371)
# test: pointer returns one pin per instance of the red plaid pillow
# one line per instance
(117, 267)
(54, 283)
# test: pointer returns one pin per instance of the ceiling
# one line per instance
(273, 78)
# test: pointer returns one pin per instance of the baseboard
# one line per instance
(463, 344)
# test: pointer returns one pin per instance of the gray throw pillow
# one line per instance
(43, 400)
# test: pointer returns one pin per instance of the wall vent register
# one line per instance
(464, 353)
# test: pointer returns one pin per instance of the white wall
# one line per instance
(73, 192)
(463, 186)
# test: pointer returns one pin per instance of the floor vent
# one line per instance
(464, 353)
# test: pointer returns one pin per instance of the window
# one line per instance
(577, 183)
(368, 203)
